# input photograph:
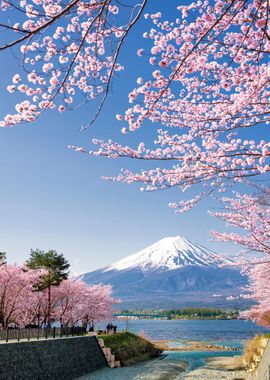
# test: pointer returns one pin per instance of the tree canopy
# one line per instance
(56, 270)
(55, 265)
(72, 302)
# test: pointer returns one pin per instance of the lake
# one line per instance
(205, 330)
(228, 332)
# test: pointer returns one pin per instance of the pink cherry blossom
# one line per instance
(82, 52)
(16, 288)
(73, 302)
(249, 216)
(210, 89)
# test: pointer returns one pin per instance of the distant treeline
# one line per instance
(197, 312)
(187, 313)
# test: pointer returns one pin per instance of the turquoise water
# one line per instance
(196, 359)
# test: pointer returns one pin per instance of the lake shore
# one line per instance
(155, 369)
(165, 345)
(210, 374)
(227, 368)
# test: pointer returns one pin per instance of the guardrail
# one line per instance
(30, 333)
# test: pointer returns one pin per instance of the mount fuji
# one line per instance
(171, 272)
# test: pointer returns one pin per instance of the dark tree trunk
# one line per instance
(49, 305)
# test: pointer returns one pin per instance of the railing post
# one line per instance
(18, 335)
(46, 333)
(54, 333)
(28, 335)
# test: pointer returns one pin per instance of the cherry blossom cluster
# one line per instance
(210, 86)
(76, 302)
(72, 302)
(249, 214)
(210, 162)
(16, 286)
(211, 72)
(69, 51)
(259, 277)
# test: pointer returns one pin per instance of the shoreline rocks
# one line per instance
(193, 346)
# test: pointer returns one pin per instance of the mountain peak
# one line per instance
(172, 271)
(169, 253)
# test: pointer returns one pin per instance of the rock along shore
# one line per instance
(192, 346)
(225, 368)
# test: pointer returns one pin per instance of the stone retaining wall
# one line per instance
(57, 359)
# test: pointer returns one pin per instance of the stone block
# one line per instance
(101, 342)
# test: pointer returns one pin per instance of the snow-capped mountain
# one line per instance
(168, 254)
(172, 271)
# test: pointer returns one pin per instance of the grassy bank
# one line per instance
(253, 351)
(130, 348)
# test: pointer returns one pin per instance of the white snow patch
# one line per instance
(168, 254)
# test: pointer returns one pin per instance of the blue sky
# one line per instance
(53, 198)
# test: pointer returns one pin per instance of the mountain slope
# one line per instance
(168, 254)
(172, 271)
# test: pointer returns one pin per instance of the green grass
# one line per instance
(129, 348)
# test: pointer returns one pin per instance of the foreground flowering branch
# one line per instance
(249, 215)
(69, 51)
(209, 85)
(259, 277)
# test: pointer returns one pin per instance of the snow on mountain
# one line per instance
(172, 271)
(168, 254)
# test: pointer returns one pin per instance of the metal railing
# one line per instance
(29, 333)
